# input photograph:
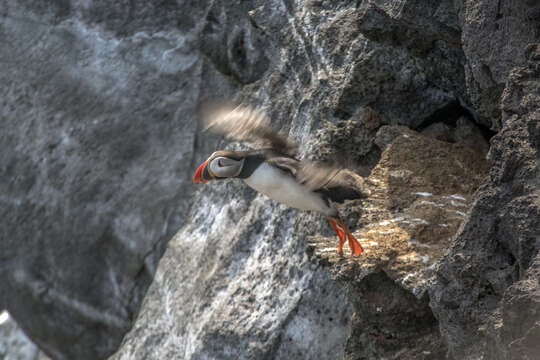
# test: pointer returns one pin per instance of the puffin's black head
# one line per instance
(220, 165)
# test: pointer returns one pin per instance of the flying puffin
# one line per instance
(273, 170)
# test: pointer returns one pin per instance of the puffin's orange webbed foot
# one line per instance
(343, 233)
(340, 233)
(355, 246)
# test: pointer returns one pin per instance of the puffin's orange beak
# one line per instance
(198, 177)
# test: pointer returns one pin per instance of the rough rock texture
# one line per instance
(96, 149)
(232, 287)
(14, 344)
(406, 223)
(464, 131)
(494, 37)
(98, 108)
(517, 328)
(417, 56)
(489, 268)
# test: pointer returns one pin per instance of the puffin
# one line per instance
(270, 167)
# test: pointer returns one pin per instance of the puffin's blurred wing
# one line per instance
(316, 176)
(247, 124)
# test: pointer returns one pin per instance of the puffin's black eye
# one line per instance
(219, 163)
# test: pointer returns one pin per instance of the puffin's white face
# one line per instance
(225, 167)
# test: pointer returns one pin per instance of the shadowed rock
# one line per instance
(491, 263)
(419, 194)
(494, 36)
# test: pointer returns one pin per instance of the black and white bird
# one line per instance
(272, 169)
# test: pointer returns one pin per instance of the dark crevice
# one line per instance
(499, 14)
(449, 114)
(342, 114)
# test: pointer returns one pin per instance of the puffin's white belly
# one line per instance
(280, 186)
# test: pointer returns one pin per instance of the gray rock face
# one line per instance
(14, 345)
(492, 260)
(414, 204)
(416, 55)
(97, 142)
(98, 108)
(465, 132)
(520, 307)
(494, 37)
(230, 286)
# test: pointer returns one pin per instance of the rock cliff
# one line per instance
(14, 344)
(106, 246)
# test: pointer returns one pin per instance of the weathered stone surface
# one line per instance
(235, 46)
(309, 89)
(406, 223)
(498, 242)
(14, 345)
(423, 57)
(325, 44)
(230, 286)
(99, 139)
(387, 134)
(494, 37)
(96, 149)
(518, 328)
(349, 142)
(439, 131)
(464, 131)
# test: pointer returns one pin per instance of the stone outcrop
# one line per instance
(414, 206)
(96, 147)
(14, 344)
(494, 36)
(250, 291)
(231, 286)
(98, 110)
(491, 267)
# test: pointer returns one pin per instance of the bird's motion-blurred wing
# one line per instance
(313, 175)
(329, 179)
(247, 124)
(316, 176)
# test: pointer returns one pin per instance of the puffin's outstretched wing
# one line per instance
(242, 123)
(314, 175)
(332, 180)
